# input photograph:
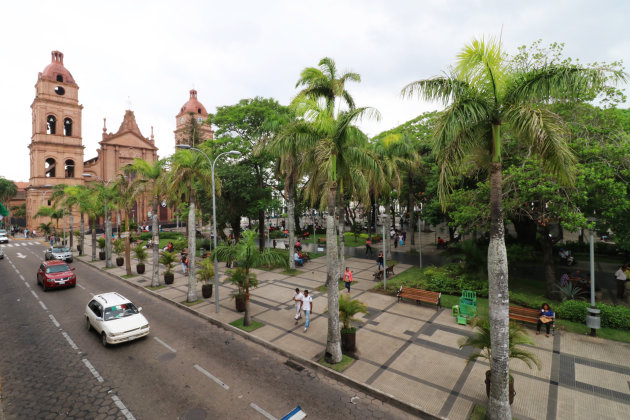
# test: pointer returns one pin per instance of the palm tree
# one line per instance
(152, 173)
(124, 191)
(79, 195)
(336, 151)
(484, 96)
(247, 255)
(188, 168)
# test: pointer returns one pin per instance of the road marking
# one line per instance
(211, 376)
(87, 363)
(165, 345)
(82, 287)
(22, 277)
(69, 340)
(19, 255)
(261, 411)
(27, 285)
(122, 407)
(35, 294)
(42, 305)
(54, 320)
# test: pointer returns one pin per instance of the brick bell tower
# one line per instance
(56, 148)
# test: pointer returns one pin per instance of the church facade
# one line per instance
(57, 151)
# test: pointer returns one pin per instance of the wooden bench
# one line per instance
(529, 315)
(390, 270)
(419, 295)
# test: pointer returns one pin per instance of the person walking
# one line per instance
(396, 240)
(368, 247)
(184, 261)
(621, 278)
(347, 278)
(379, 260)
(297, 298)
(307, 307)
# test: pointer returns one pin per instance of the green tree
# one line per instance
(8, 190)
(153, 176)
(188, 168)
(123, 192)
(247, 256)
(79, 195)
(484, 96)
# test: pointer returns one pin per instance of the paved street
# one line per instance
(52, 367)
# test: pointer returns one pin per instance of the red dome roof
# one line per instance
(193, 105)
(55, 69)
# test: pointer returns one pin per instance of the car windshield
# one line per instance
(60, 250)
(120, 311)
(53, 269)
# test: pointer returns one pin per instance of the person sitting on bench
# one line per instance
(297, 258)
(546, 317)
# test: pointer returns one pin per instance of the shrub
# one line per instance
(611, 316)
(205, 244)
(518, 253)
(604, 248)
(180, 244)
(451, 280)
(276, 234)
(145, 236)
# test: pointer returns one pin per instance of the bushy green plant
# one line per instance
(348, 308)
(611, 316)
(572, 310)
(205, 244)
(451, 279)
(140, 253)
(119, 247)
(101, 243)
(518, 253)
(276, 234)
(168, 259)
(180, 244)
(238, 277)
(205, 270)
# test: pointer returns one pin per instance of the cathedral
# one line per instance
(56, 148)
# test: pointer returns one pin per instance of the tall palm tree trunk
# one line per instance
(71, 220)
(291, 223)
(93, 238)
(498, 302)
(127, 246)
(341, 226)
(262, 230)
(155, 278)
(333, 340)
(192, 249)
(410, 207)
(82, 237)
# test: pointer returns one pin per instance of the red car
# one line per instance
(55, 273)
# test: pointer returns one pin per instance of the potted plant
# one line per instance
(101, 248)
(238, 277)
(119, 249)
(481, 341)
(348, 308)
(168, 259)
(141, 255)
(205, 273)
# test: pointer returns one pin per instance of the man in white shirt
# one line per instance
(621, 278)
(307, 307)
(297, 298)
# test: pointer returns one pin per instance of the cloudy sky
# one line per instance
(147, 55)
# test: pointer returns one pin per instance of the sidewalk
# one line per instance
(410, 351)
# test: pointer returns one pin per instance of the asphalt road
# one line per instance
(52, 367)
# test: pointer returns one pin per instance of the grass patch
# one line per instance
(607, 333)
(161, 286)
(323, 288)
(290, 272)
(125, 276)
(192, 303)
(254, 325)
(478, 413)
(346, 361)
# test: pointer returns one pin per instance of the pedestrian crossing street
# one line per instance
(16, 244)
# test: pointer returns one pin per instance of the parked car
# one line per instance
(54, 274)
(115, 318)
(4, 239)
(58, 253)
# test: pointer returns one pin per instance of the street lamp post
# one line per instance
(214, 214)
(108, 225)
(593, 319)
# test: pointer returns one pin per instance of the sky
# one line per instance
(147, 55)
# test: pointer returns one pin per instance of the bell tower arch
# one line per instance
(56, 148)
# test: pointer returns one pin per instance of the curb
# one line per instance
(367, 389)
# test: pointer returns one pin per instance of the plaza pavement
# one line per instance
(411, 351)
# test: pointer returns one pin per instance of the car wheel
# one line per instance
(89, 326)
(104, 340)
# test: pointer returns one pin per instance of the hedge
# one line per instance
(611, 316)
(163, 235)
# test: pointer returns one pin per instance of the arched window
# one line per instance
(50, 168)
(51, 124)
(69, 168)
(60, 78)
(67, 127)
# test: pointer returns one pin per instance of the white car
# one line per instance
(4, 239)
(115, 318)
